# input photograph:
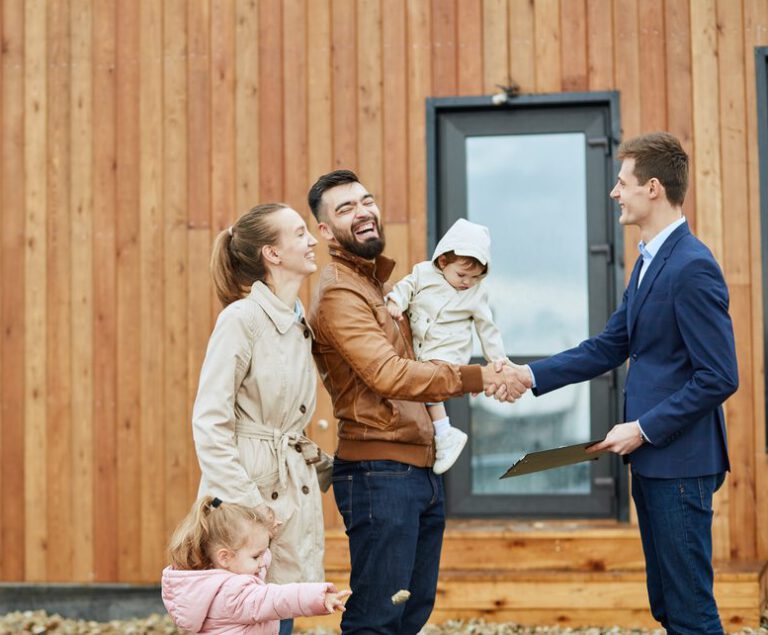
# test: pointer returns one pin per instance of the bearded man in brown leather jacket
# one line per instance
(390, 499)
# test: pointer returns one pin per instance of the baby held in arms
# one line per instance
(444, 297)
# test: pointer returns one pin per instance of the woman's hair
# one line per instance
(449, 257)
(210, 525)
(236, 261)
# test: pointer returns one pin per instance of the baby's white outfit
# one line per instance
(441, 317)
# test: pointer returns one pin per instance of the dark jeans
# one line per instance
(675, 518)
(394, 515)
(286, 627)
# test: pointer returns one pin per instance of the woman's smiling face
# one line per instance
(295, 244)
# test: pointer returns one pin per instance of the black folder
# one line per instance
(549, 459)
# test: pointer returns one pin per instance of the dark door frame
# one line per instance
(761, 77)
(438, 107)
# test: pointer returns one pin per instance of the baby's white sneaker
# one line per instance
(448, 446)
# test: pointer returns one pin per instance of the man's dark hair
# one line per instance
(659, 155)
(326, 182)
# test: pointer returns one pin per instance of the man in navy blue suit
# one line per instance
(673, 326)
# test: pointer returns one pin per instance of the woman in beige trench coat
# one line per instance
(257, 387)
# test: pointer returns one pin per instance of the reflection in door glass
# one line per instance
(530, 191)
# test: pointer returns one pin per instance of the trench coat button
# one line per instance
(302, 408)
(274, 496)
(305, 489)
(298, 448)
(306, 333)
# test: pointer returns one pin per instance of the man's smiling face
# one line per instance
(351, 219)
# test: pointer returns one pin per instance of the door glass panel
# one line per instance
(530, 191)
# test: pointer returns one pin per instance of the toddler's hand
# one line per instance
(336, 601)
(394, 310)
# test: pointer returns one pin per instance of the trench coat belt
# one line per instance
(280, 441)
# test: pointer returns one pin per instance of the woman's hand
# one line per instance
(394, 310)
(272, 522)
(335, 601)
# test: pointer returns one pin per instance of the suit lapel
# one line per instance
(657, 264)
(632, 291)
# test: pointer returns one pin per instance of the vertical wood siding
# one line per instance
(132, 132)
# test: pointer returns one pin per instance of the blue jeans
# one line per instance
(675, 518)
(394, 515)
(286, 627)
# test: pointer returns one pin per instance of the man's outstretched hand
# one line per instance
(505, 381)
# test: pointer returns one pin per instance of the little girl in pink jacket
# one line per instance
(219, 556)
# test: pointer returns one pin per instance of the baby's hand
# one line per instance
(394, 310)
(336, 601)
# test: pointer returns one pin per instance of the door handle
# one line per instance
(602, 249)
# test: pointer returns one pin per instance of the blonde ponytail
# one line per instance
(236, 260)
(209, 525)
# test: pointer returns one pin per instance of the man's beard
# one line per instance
(369, 249)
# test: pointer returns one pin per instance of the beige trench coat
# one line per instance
(256, 395)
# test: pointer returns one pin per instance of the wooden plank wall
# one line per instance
(133, 131)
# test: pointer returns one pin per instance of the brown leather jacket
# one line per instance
(365, 358)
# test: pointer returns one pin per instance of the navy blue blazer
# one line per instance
(676, 332)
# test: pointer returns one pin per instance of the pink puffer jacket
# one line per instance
(217, 601)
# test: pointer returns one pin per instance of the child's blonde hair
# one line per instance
(211, 524)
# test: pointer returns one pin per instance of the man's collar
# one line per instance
(379, 269)
(653, 246)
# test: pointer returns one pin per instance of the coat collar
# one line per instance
(379, 269)
(282, 316)
(637, 296)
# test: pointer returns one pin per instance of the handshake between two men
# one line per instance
(505, 381)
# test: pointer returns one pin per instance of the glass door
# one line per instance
(539, 179)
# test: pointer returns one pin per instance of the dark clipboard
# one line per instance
(549, 459)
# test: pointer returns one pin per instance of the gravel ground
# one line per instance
(39, 623)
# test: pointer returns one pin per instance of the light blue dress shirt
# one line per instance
(652, 248)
